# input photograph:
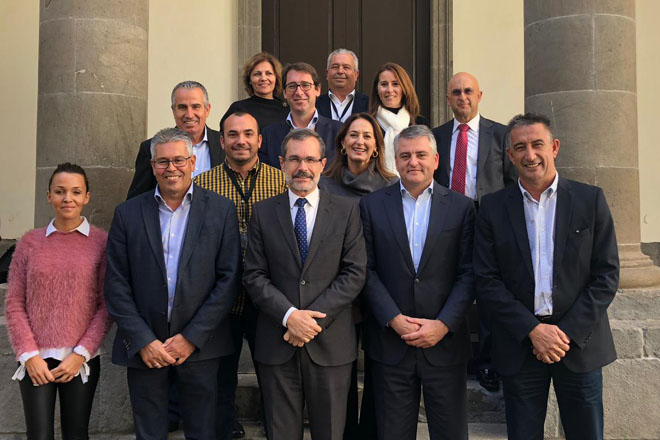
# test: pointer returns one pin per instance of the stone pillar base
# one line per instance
(637, 269)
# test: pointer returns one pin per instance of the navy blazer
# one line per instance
(585, 275)
(208, 277)
(360, 104)
(494, 169)
(144, 180)
(443, 286)
(273, 135)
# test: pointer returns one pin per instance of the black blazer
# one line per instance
(208, 278)
(273, 135)
(360, 104)
(329, 281)
(144, 180)
(494, 169)
(585, 275)
(442, 288)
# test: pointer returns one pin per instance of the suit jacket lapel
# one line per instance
(563, 216)
(151, 219)
(195, 220)
(283, 214)
(214, 147)
(394, 211)
(514, 206)
(323, 216)
(485, 139)
(437, 217)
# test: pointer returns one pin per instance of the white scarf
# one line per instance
(392, 123)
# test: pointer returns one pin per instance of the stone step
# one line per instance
(638, 338)
(632, 304)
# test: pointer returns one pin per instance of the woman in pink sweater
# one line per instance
(56, 312)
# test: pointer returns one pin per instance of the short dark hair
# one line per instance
(301, 67)
(71, 168)
(524, 120)
(300, 134)
(237, 113)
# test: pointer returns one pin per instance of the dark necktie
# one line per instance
(460, 160)
(300, 228)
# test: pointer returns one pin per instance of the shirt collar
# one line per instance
(253, 169)
(472, 123)
(311, 124)
(187, 196)
(552, 189)
(404, 191)
(352, 95)
(312, 198)
(83, 227)
(204, 139)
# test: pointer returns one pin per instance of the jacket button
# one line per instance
(416, 280)
(302, 283)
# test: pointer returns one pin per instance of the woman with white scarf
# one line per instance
(394, 104)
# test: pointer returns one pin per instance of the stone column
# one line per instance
(580, 71)
(441, 59)
(92, 101)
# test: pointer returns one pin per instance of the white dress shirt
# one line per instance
(540, 221)
(472, 155)
(311, 125)
(340, 111)
(201, 152)
(311, 209)
(416, 213)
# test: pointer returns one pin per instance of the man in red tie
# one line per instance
(473, 162)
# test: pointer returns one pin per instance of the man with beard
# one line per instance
(342, 99)
(304, 265)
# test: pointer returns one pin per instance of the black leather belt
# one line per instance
(544, 318)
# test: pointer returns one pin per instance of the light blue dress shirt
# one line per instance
(172, 230)
(416, 213)
(203, 155)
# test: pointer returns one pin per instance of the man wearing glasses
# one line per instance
(174, 261)
(304, 265)
(301, 88)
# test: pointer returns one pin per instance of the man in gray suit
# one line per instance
(473, 162)
(305, 263)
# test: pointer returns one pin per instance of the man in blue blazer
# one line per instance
(301, 89)
(342, 99)
(418, 290)
(546, 265)
(173, 273)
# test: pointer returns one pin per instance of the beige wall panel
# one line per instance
(193, 40)
(488, 43)
(19, 43)
(648, 99)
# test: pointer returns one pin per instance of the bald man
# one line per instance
(473, 162)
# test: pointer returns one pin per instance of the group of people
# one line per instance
(309, 222)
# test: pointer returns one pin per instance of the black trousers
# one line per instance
(75, 404)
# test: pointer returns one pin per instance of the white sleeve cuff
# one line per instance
(287, 314)
(27, 355)
(82, 351)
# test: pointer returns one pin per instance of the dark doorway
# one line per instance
(376, 30)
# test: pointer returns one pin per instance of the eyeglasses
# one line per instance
(178, 162)
(298, 160)
(304, 86)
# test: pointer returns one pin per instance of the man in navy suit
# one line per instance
(546, 265)
(418, 290)
(301, 89)
(173, 273)
(342, 99)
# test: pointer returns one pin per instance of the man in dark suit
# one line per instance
(473, 162)
(173, 273)
(305, 264)
(190, 108)
(547, 266)
(342, 99)
(418, 290)
(301, 89)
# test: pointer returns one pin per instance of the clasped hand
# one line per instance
(549, 342)
(37, 369)
(174, 351)
(419, 332)
(302, 327)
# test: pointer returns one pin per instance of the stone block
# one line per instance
(484, 406)
(90, 129)
(57, 57)
(628, 339)
(615, 65)
(135, 12)
(635, 305)
(558, 55)
(11, 408)
(249, 13)
(553, 427)
(113, 405)
(111, 57)
(248, 398)
(584, 175)
(537, 10)
(5, 345)
(652, 340)
(3, 293)
(619, 185)
(631, 398)
(607, 138)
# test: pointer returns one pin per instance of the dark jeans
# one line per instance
(579, 395)
(75, 404)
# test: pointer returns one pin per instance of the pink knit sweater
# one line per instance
(55, 293)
